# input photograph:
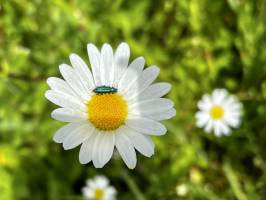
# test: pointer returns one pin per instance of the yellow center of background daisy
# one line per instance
(99, 194)
(217, 112)
(107, 111)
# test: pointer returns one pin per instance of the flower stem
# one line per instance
(133, 187)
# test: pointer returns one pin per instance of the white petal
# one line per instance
(121, 59)
(108, 195)
(106, 146)
(88, 192)
(141, 142)
(65, 101)
(91, 182)
(142, 82)
(235, 115)
(155, 90)
(131, 74)
(106, 64)
(146, 126)
(77, 136)
(202, 118)
(150, 106)
(225, 129)
(208, 128)
(232, 113)
(126, 149)
(85, 153)
(219, 95)
(83, 72)
(59, 85)
(230, 100)
(237, 110)
(97, 151)
(111, 192)
(101, 181)
(74, 81)
(68, 115)
(64, 131)
(94, 56)
(205, 103)
(163, 116)
(233, 121)
(235, 107)
(217, 128)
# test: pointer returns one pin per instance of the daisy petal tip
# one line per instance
(156, 68)
(149, 155)
(124, 47)
(55, 139)
(83, 162)
(142, 59)
(169, 86)
(91, 46)
(106, 45)
(48, 80)
(54, 113)
(162, 132)
(171, 103)
(97, 166)
(62, 67)
(47, 94)
(125, 44)
(65, 147)
(173, 114)
(132, 167)
(73, 56)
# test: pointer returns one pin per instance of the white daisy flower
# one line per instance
(115, 105)
(219, 112)
(99, 189)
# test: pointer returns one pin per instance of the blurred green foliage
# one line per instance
(199, 45)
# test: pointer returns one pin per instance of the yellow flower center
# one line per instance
(107, 111)
(217, 112)
(99, 194)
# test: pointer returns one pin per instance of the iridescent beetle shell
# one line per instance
(104, 89)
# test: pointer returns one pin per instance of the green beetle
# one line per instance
(104, 89)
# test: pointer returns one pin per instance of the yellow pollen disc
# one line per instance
(217, 112)
(99, 194)
(107, 111)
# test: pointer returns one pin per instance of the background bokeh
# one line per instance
(199, 46)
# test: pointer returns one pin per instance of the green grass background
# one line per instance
(198, 44)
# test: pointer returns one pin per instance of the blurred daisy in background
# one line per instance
(99, 189)
(181, 190)
(219, 112)
(114, 105)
